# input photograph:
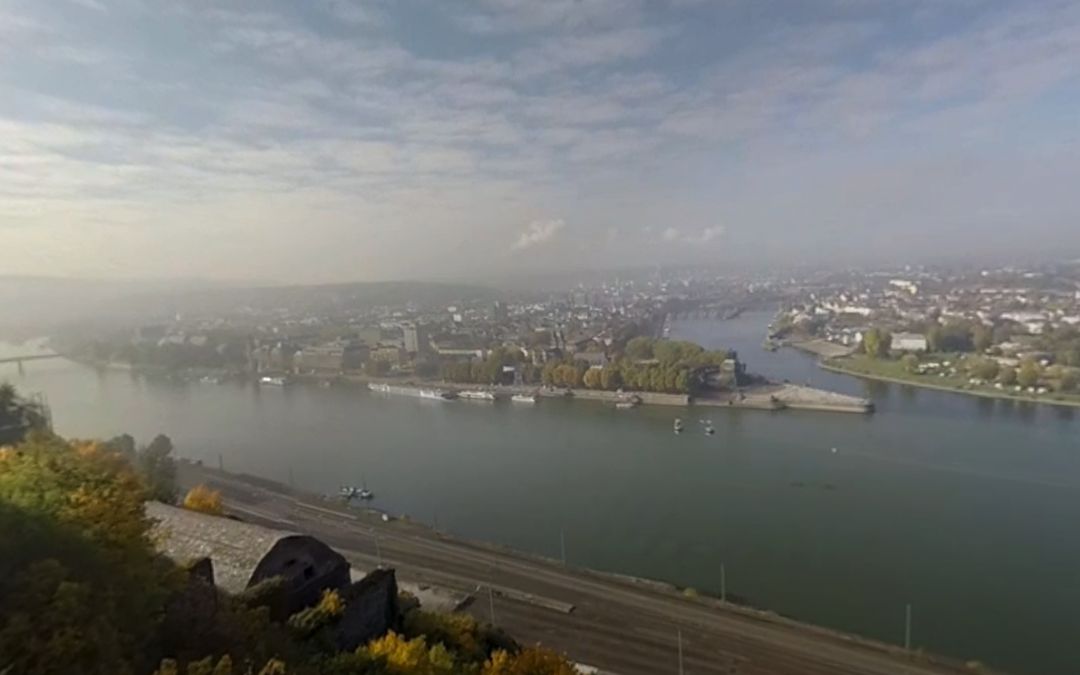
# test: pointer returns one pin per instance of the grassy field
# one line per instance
(888, 370)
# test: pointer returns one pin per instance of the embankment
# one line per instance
(647, 398)
(1047, 399)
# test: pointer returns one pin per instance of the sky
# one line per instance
(339, 140)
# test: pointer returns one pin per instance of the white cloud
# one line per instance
(538, 232)
(222, 127)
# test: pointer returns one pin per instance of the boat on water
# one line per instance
(709, 430)
(523, 398)
(476, 395)
(678, 425)
(349, 492)
(275, 381)
(433, 394)
(625, 405)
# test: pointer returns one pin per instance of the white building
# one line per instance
(908, 342)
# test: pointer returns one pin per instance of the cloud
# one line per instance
(538, 232)
(228, 133)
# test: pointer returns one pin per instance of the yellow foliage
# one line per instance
(204, 500)
(411, 657)
(331, 603)
(529, 661)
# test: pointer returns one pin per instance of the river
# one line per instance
(965, 508)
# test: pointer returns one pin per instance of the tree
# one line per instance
(984, 369)
(910, 362)
(982, 337)
(1007, 376)
(529, 661)
(157, 466)
(377, 368)
(204, 500)
(1028, 375)
(81, 585)
(593, 378)
(640, 348)
(1067, 381)
(18, 416)
(876, 343)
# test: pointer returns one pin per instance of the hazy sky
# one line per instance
(323, 140)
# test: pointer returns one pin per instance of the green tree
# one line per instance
(984, 369)
(1028, 374)
(156, 465)
(18, 415)
(640, 348)
(876, 343)
(593, 378)
(910, 362)
(982, 337)
(1007, 376)
(81, 586)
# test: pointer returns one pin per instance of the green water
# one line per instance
(965, 508)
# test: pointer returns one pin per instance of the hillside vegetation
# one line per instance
(83, 591)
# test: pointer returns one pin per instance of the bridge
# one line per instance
(29, 357)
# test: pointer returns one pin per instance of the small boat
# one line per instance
(625, 405)
(678, 425)
(523, 398)
(274, 381)
(709, 430)
(349, 492)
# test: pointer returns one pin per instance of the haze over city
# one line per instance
(333, 141)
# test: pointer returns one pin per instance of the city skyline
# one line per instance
(343, 141)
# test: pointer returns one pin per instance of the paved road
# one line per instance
(617, 625)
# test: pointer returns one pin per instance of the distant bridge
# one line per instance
(19, 360)
(29, 357)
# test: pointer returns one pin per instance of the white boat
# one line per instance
(678, 425)
(625, 405)
(434, 394)
(477, 395)
(274, 381)
(523, 398)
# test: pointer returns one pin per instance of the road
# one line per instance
(621, 626)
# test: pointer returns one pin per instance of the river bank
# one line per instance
(563, 605)
(838, 366)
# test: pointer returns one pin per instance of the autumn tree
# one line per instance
(81, 586)
(529, 661)
(204, 500)
(412, 657)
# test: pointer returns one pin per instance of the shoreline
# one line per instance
(273, 504)
(772, 396)
(825, 364)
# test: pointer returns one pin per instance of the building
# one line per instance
(332, 358)
(908, 342)
(391, 354)
(414, 339)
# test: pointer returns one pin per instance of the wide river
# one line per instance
(968, 509)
